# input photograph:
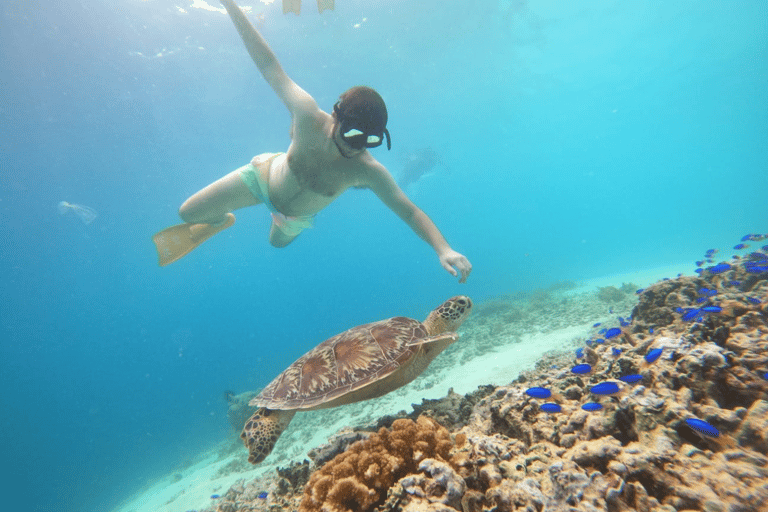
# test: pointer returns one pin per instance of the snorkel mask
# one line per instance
(354, 133)
(362, 117)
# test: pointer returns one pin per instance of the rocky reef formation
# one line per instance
(639, 449)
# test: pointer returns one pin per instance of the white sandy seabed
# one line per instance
(191, 489)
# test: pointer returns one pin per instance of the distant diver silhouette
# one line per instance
(419, 163)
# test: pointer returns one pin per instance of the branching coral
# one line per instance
(358, 479)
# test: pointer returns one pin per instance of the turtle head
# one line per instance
(262, 430)
(449, 316)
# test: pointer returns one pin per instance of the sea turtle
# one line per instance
(364, 362)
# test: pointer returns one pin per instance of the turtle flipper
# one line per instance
(262, 430)
(445, 338)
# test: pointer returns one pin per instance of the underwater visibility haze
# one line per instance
(574, 141)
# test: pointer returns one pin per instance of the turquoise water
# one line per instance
(582, 142)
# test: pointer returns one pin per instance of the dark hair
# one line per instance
(365, 106)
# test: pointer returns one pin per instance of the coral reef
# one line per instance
(358, 479)
(501, 452)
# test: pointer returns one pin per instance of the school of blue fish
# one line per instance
(705, 303)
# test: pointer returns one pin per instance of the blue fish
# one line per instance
(650, 330)
(263, 495)
(739, 247)
(712, 309)
(592, 406)
(596, 325)
(735, 283)
(699, 263)
(605, 388)
(579, 353)
(653, 355)
(538, 392)
(638, 292)
(616, 352)
(215, 496)
(711, 293)
(631, 379)
(702, 427)
(719, 268)
(610, 310)
(690, 314)
(765, 376)
(699, 270)
(703, 291)
(612, 332)
(701, 299)
(600, 340)
(581, 369)
(550, 407)
(756, 269)
(754, 300)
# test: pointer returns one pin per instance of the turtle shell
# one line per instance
(343, 364)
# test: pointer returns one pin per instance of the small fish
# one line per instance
(600, 341)
(653, 355)
(712, 309)
(592, 406)
(215, 496)
(712, 293)
(581, 369)
(735, 283)
(719, 268)
(702, 299)
(579, 353)
(699, 263)
(690, 314)
(739, 247)
(756, 269)
(596, 325)
(550, 407)
(631, 379)
(703, 291)
(616, 352)
(702, 427)
(610, 311)
(765, 376)
(605, 388)
(710, 252)
(754, 300)
(263, 495)
(650, 330)
(538, 392)
(612, 332)
(699, 270)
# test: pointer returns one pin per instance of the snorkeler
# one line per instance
(328, 154)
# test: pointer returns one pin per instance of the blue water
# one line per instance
(582, 141)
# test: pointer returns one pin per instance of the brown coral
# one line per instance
(359, 478)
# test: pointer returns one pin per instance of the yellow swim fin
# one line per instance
(291, 6)
(324, 4)
(177, 241)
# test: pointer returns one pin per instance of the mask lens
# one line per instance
(358, 139)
